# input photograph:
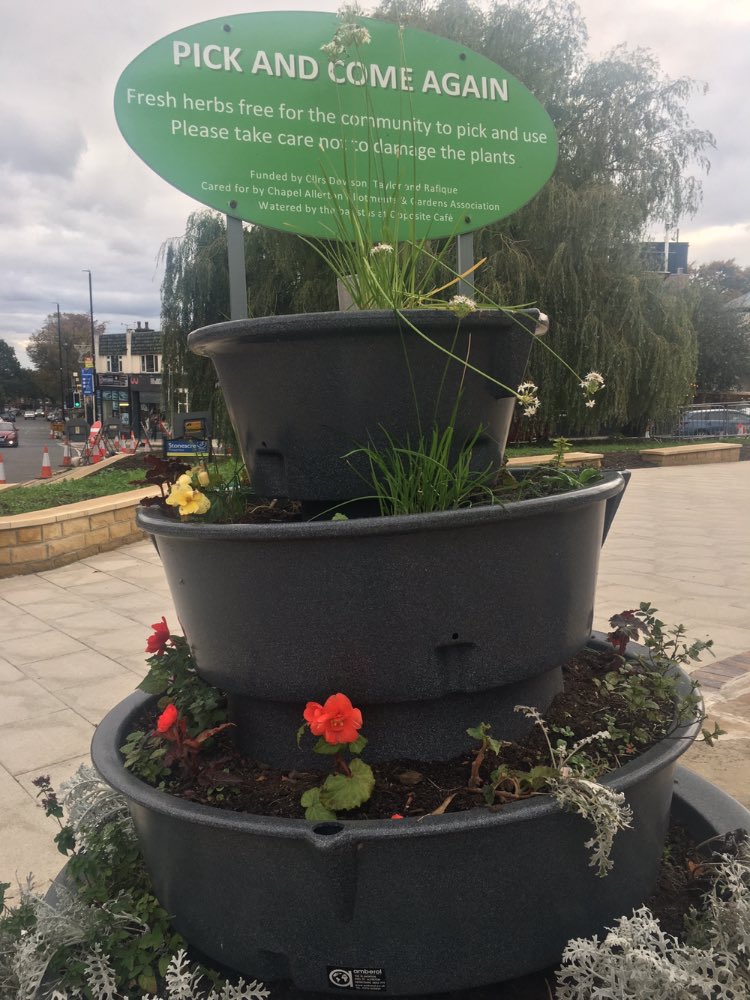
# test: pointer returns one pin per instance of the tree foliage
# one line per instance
(194, 293)
(725, 276)
(630, 160)
(723, 343)
(54, 354)
(15, 382)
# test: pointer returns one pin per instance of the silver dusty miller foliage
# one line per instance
(637, 958)
(184, 982)
(69, 923)
(602, 806)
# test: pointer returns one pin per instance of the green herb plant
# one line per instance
(645, 682)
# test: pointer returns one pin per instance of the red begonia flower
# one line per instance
(337, 721)
(397, 816)
(156, 643)
(167, 719)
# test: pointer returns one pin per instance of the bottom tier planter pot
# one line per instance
(403, 907)
(700, 807)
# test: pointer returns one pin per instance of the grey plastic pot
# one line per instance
(446, 903)
(304, 390)
(429, 623)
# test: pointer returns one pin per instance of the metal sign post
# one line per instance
(237, 277)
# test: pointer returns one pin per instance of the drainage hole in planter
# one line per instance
(455, 635)
(327, 829)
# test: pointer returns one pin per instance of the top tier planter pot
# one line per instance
(304, 390)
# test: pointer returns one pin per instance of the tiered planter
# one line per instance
(430, 623)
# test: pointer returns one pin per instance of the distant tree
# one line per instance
(723, 342)
(725, 276)
(627, 161)
(44, 350)
(11, 375)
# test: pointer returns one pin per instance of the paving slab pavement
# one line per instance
(73, 641)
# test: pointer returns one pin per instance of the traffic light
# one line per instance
(76, 400)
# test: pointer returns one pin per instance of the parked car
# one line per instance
(8, 415)
(714, 422)
(39, 413)
(8, 434)
(29, 414)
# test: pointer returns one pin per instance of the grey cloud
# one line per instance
(55, 148)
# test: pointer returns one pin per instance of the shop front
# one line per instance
(114, 398)
(145, 395)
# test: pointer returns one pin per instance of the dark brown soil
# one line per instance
(222, 777)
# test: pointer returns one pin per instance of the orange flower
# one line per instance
(156, 643)
(167, 719)
(337, 721)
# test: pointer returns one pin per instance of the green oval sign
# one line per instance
(251, 116)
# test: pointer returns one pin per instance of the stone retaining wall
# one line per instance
(41, 540)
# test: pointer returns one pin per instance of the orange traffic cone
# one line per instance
(96, 453)
(2, 470)
(67, 457)
(133, 443)
(116, 443)
(46, 472)
(124, 450)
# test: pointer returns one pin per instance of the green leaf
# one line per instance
(358, 745)
(147, 983)
(314, 809)
(324, 747)
(65, 840)
(153, 685)
(300, 733)
(342, 792)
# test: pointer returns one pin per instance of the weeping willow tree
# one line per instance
(194, 293)
(629, 154)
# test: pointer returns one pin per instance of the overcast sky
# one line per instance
(73, 195)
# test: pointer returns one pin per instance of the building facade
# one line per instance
(129, 378)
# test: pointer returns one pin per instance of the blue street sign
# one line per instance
(87, 381)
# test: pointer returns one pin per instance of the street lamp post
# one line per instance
(93, 344)
(59, 347)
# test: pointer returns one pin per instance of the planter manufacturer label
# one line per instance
(250, 116)
(364, 980)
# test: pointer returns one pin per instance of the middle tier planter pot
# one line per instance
(304, 390)
(409, 906)
(430, 623)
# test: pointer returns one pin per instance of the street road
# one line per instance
(25, 462)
